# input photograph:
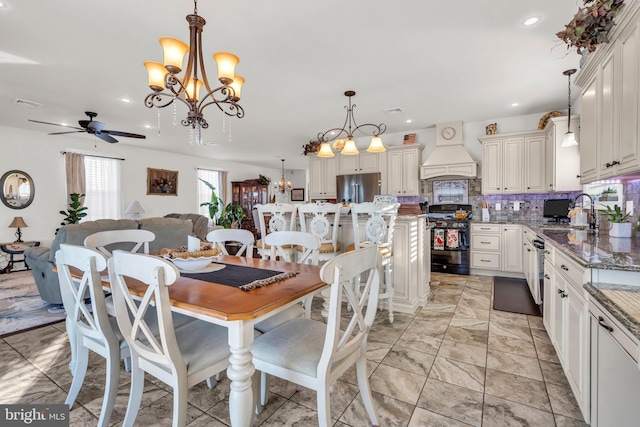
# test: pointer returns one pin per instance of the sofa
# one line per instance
(169, 232)
(200, 223)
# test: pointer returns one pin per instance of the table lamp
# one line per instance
(135, 209)
(17, 223)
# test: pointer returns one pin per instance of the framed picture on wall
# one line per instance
(297, 195)
(162, 182)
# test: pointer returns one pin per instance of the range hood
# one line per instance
(449, 158)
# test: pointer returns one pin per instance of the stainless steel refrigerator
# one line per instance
(358, 188)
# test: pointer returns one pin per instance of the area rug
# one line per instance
(513, 295)
(21, 307)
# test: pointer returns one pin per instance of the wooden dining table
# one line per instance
(239, 311)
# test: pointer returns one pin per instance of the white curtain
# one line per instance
(103, 188)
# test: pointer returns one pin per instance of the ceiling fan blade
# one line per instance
(63, 133)
(55, 124)
(125, 134)
(105, 137)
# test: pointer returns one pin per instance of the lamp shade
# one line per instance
(350, 148)
(174, 51)
(237, 83)
(376, 145)
(325, 150)
(156, 75)
(569, 140)
(135, 209)
(226, 65)
(18, 222)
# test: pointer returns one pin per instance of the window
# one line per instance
(103, 188)
(214, 178)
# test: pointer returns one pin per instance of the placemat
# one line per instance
(244, 278)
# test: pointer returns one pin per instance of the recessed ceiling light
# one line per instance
(125, 100)
(530, 21)
(515, 104)
(147, 126)
(2, 4)
(409, 121)
(64, 124)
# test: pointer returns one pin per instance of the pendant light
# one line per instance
(569, 139)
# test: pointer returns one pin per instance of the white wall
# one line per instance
(38, 155)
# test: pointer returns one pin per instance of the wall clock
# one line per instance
(448, 133)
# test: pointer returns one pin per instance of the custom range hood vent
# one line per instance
(449, 158)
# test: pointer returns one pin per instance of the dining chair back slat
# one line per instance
(274, 217)
(102, 239)
(280, 243)
(220, 237)
(322, 220)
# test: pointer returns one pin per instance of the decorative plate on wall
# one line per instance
(544, 119)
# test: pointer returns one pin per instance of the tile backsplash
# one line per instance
(530, 205)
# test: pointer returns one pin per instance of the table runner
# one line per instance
(244, 278)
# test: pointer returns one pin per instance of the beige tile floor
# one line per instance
(456, 362)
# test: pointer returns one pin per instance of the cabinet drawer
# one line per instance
(569, 268)
(485, 242)
(485, 228)
(485, 260)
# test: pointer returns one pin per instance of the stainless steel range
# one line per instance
(450, 238)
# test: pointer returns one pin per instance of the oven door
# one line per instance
(446, 259)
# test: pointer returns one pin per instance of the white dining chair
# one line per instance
(181, 356)
(314, 354)
(274, 217)
(322, 220)
(89, 329)
(373, 225)
(102, 239)
(221, 236)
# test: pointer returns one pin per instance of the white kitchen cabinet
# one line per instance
(610, 143)
(629, 117)
(529, 258)
(588, 133)
(403, 164)
(566, 320)
(615, 375)
(607, 147)
(361, 163)
(534, 164)
(562, 164)
(486, 246)
(513, 163)
(512, 244)
(322, 177)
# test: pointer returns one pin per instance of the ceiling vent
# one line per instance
(27, 103)
(391, 111)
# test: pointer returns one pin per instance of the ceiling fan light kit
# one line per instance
(168, 87)
(349, 128)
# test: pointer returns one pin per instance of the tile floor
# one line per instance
(456, 362)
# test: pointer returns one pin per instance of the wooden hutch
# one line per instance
(247, 194)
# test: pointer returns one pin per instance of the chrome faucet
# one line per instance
(593, 217)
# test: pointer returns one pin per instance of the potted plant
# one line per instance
(591, 25)
(620, 225)
(76, 211)
(609, 194)
(227, 216)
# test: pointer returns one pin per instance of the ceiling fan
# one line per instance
(93, 127)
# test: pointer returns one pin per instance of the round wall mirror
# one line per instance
(17, 189)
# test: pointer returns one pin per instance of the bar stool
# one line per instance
(373, 224)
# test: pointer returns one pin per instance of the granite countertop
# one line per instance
(623, 302)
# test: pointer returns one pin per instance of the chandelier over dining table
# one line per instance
(283, 185)
(343, 137)
(168, 87)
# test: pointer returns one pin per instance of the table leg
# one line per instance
(240, 371)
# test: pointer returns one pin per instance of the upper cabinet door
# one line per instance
(513, 155)
(535, 164)
(629, 111)
(348, 165)
(492, 167)
(369, 162)
(394, 181)
(588, 133)
(607, 148)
